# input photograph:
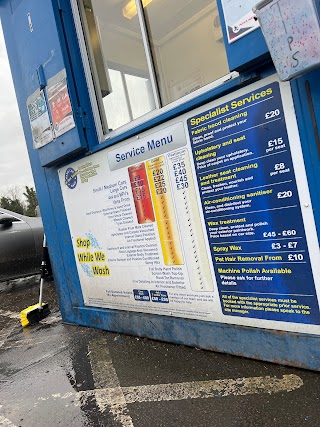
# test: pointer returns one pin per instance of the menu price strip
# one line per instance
(141, 193)
(184, 192)
(250, 200)
(164, 210)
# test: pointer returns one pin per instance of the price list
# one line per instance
(252, 210)
(188, 212)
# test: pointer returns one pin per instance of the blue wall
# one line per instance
(46, 45)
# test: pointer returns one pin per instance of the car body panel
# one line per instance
(20, 246)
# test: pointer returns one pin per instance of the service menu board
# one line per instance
(207, 216)
(252, 209)
(138, 233)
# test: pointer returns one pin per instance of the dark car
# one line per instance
(21, 239)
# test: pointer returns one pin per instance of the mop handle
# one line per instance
(43, 265)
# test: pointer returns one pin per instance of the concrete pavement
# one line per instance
(54, 374)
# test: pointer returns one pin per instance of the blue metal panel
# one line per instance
(14, 4)
(285, 348)
(73, 62)
(247, 51)
(40, 45)
(306, 92)
(51, 203)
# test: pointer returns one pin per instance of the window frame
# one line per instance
(108, 137)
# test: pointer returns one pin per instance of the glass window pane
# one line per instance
(144, 102)
(129, 93)
(187, 45)
(115, 103)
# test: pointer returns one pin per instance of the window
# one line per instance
(130, 98)
(14, 219)
(145, 54)
(187, 45)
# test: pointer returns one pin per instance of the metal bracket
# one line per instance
(249, 77)
(80, 113)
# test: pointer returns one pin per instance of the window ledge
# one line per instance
(182, 105)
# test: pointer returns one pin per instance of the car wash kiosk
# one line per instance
(176, 153)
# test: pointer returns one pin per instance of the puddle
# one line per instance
(20, 283)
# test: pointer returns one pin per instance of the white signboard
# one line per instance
(239, 18)
(140, 223)
(202, 217)
(60, 104)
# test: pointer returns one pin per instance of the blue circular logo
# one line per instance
(70, 178)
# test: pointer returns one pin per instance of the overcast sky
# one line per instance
(14, 161)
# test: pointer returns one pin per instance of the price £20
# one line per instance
(284, 194)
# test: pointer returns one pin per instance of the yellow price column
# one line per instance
(164, 211)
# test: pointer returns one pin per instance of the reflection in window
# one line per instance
(187, 45)
(115, 103)
(144, 102)
(130, 98)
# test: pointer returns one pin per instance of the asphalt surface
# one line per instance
(54, 374)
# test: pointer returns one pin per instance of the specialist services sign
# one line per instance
(252, 209)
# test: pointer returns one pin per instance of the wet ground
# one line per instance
(54, 374)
